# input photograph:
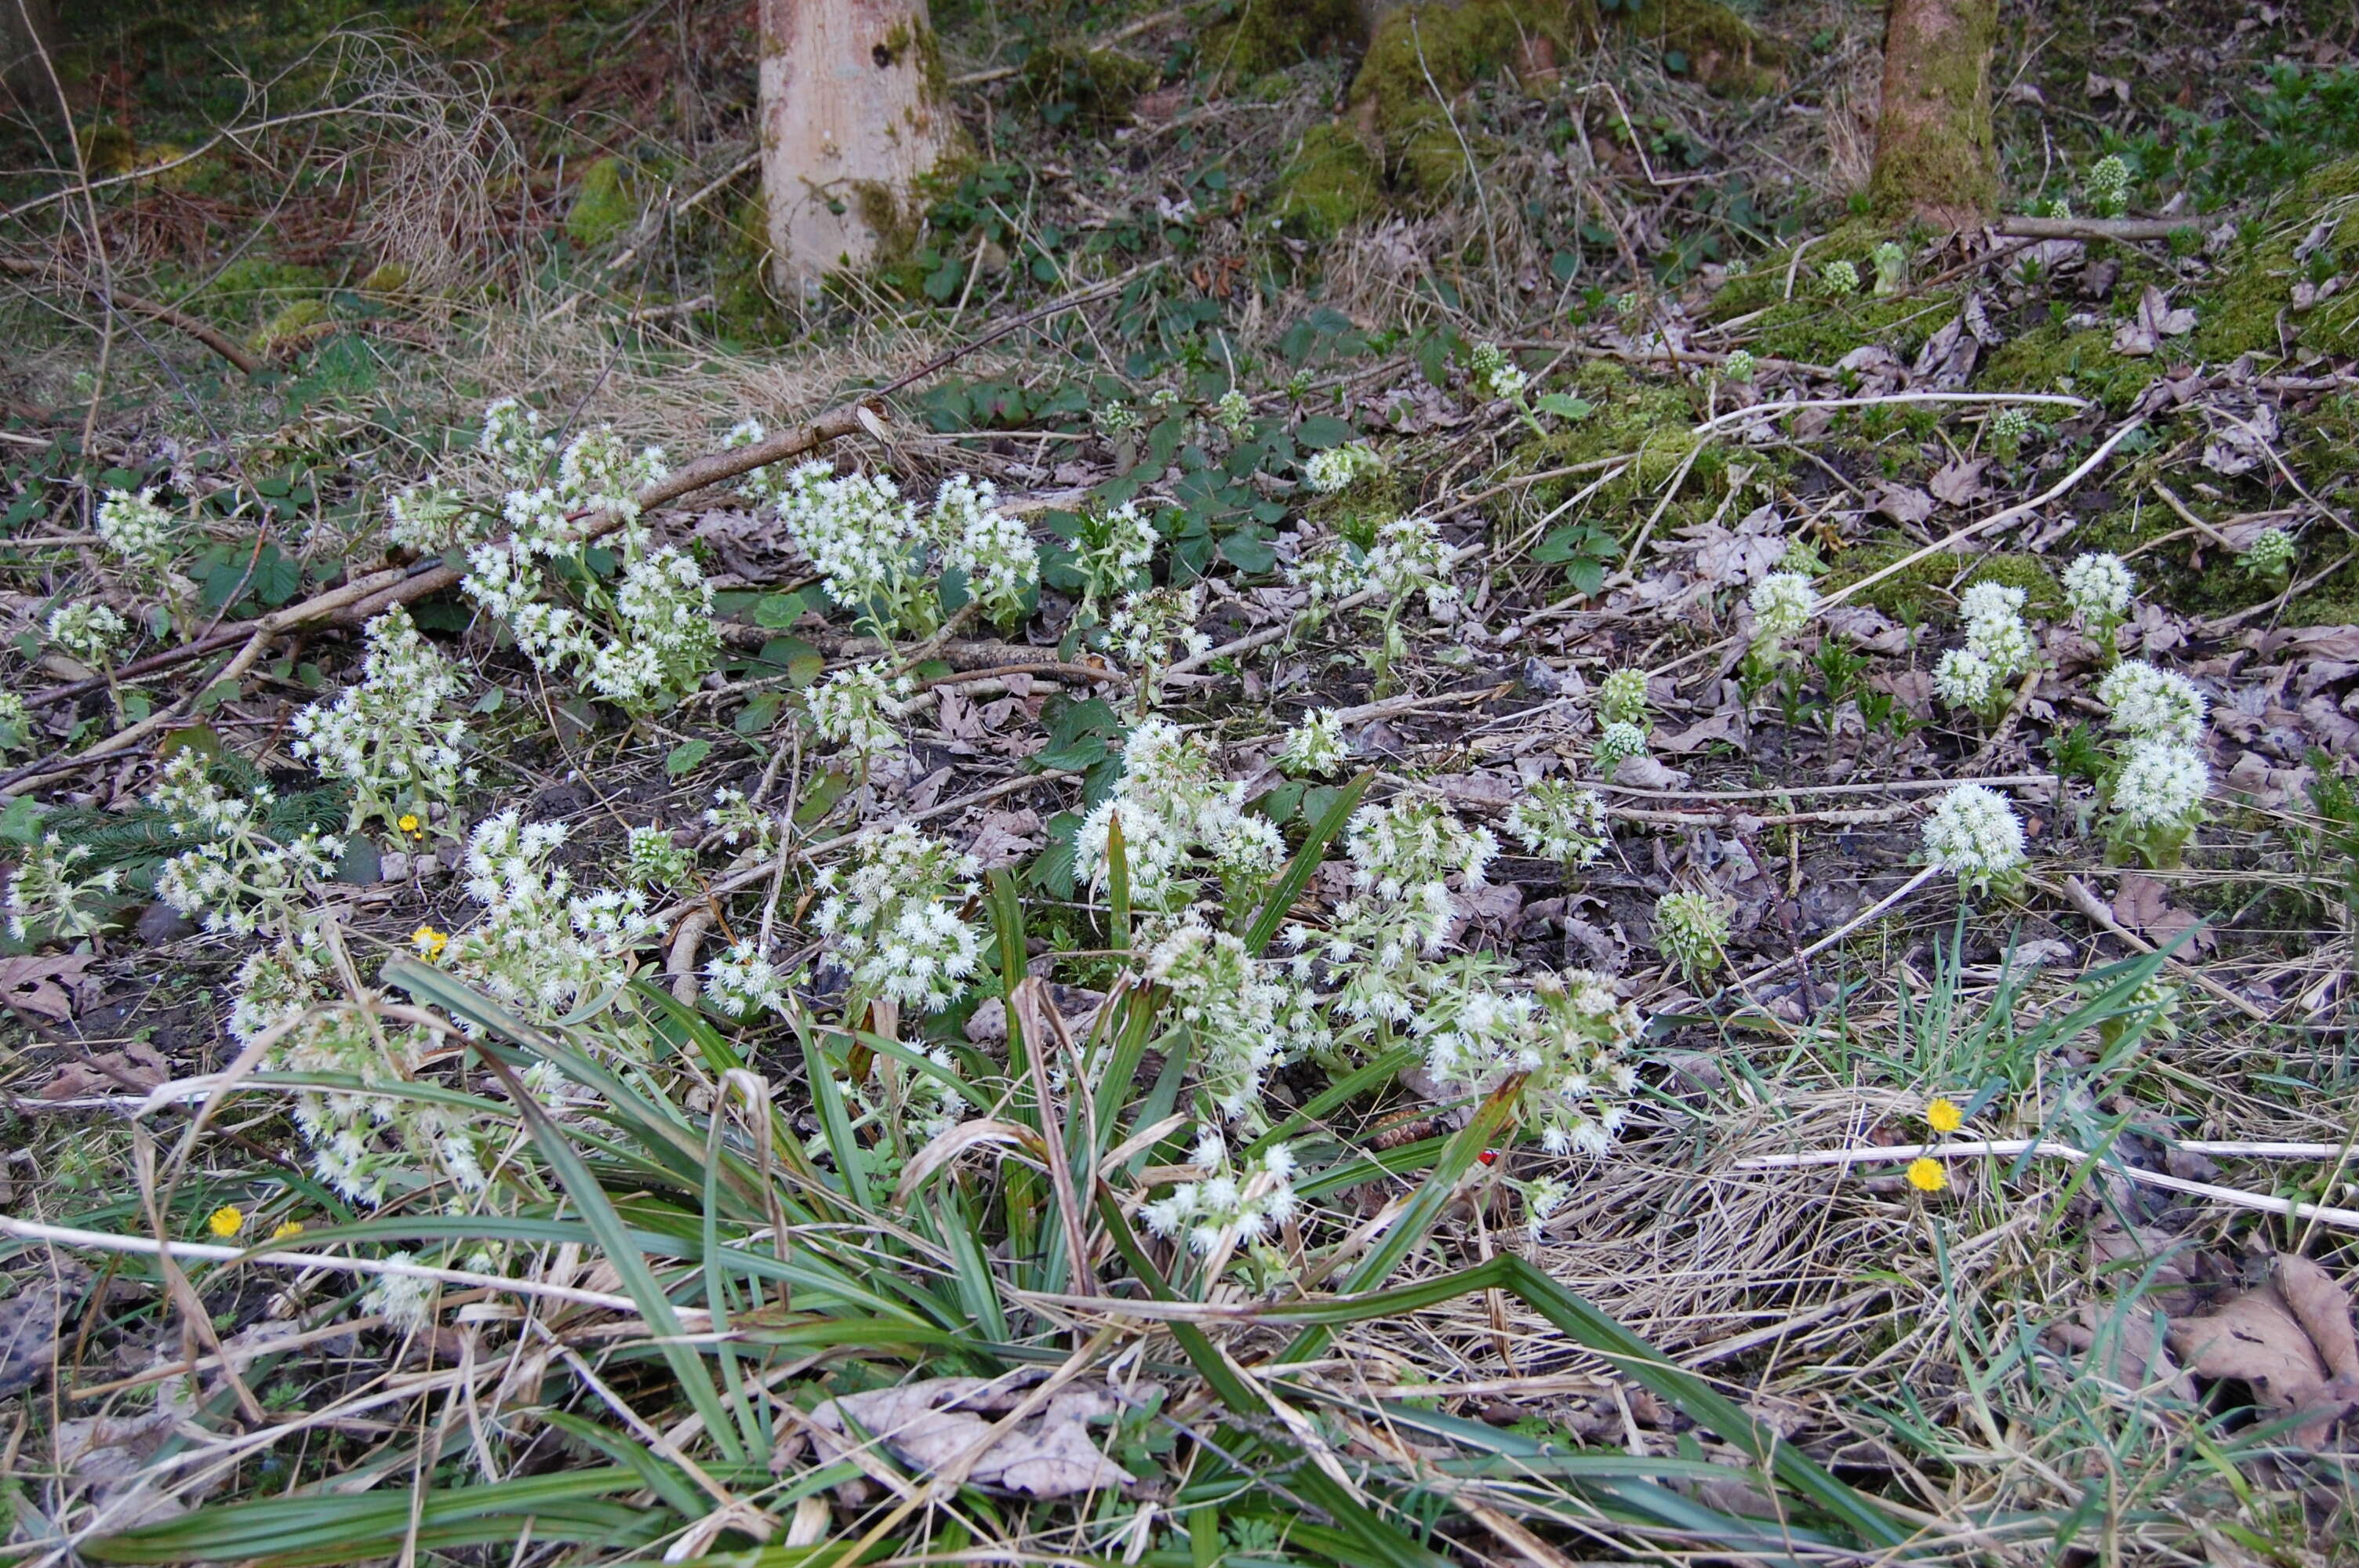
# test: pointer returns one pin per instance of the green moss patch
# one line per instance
(1925, 593)
(603, 204)
(1329, 184)
(2079, 364)
(1270, 35)
(1067, 84)
(2252, 308)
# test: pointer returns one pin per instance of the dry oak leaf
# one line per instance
(929, 1424)
(29, 983)
(2291, 1342)
(135, 1069)
(2142, 904)
(29, 1327)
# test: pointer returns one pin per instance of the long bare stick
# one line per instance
(2342, 1219)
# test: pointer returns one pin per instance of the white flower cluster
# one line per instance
(894, 918)
(656, 643)
(1839, 278)
(88, 631)
(428, 519)
(1407, 557)
(1411, 843)
(1571, 1040)
(1561, 821)
(741, 982)
(1739, 366)
(1496, 375)
(1224, 1204)
(598, 472)
(1244, 1017)
(1974, 834)
(865, 540)
(2151, 704)
(368, 1147)
(237, 878)
(135, 528)
(52, 896)
(1234, 413)
(16, 722)
(512, 438)
(1113, 549)
(1151, 628)
(992, 549)
(1315, 747)
(741, 825)
(1617, 741)
(2108, 185)
(1782, 605)
(2009, 428)
(2097, 587)
(1998, 650)
(2161, 786)
(540, 946)
(1337, 468)
(387, 736)
(1691, 930)
(1180, 820)
(855, 707)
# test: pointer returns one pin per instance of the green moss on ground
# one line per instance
(1926, 594)
(2251, 309)
(1071, 84)
(1630, 415)
(253, 287)
(289, 325)
(1271, 35)
(603, 204)
(1328, 185)
(2079, 364)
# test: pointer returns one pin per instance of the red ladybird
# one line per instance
(1489, 1156)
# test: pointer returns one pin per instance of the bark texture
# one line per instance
(854, 109)
(1934, 156)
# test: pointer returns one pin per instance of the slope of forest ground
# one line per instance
(388, 1176)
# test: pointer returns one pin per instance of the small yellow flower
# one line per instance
(225, 1221)
(287, 1229)
(412, 826)
(430, 942)
(1927, 1175)
(1944, 1117)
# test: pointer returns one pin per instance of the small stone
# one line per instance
(160, 923)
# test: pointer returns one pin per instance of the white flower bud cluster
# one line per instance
(388, 736)
(1998, 648)
(655, 862)
(1974, 834)
(894, 921)
(1622, 698)
(739, 982)
(1180, 820)
(2161, 786)
(2097, 587)
(856, 708)
(1617, 741)
(1571, 1040)
(512, 438)
(2108, 185)
(53, 898)
(135, 528)
(1840, 278)
(1337, 468)
(1226, 1204)
(1243, 1016)
(429, 520)
(1115, 548)
(237, 878)
(89, 632)
(1233, 413)
(540, 947)
(992, 548)
(2151, 704)
(1561, 821)
(1314, 748)
(2270, 554)
(741, 825)
(1691, 930)
(1149, 630)
(1782, 605)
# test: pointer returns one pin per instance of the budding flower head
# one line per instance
(1617, 742)
(2108, 185)
(2269, 554)
(2007, 429)
(2097, 587)
(1690, 930)
(1739, 366)
(1972, 833)
(1839, 278)
(1622, 698)
(1782, 603)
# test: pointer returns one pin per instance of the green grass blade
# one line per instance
(1304, 865)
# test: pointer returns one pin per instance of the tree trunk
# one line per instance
(22, 22)
(854, 108)
(1934, 158)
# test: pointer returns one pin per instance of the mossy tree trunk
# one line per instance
(1934, 156)
(24, 23)
(854, 109)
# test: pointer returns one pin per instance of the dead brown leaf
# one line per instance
(2155, 321)
(29, 983)
(1959, 482)
(29, 1327)
(2277, 1341)
(114, 1456)
(2142, 904)
(135, 1069)
(2127, 1346)
(929, 1424)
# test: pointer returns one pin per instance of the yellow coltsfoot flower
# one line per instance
(1927, 1175)
(225, 1221)
(429, 942)
(1944, 1117)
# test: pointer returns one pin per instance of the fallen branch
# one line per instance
(2028, 228)
(2090, 904)
(210, 337)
